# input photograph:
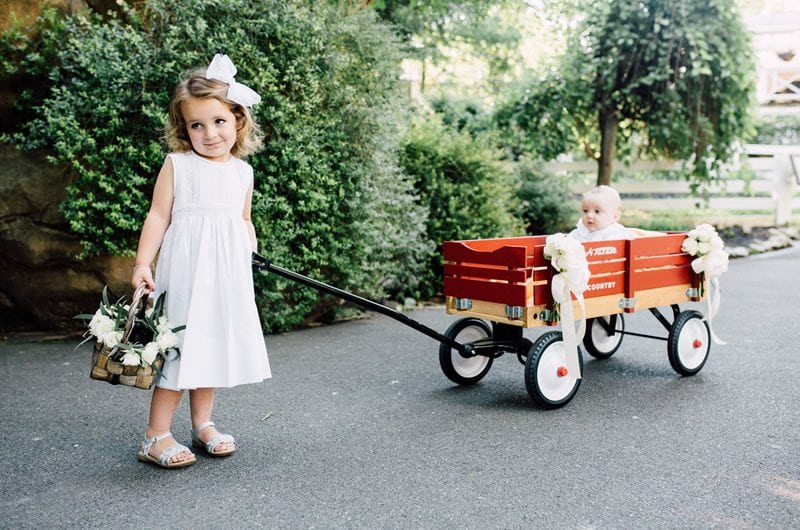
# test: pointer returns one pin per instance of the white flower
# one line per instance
(100, 324)
(167, 340)
(704, 241)
(150, 352)
(689, 246)
(564, 252)
(130, 359)
(713, 264)
(574, 260)
(162, 325)
(111, 338)
(568, 256)
(703, 232)
(578, 279)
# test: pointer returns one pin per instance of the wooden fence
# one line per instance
(774, 188)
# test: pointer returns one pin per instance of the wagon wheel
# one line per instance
(599, 343)
(460, 369)
(689, 343)
(546, 376)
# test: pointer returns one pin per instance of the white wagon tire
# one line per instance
(598, 343)
(546, 377)
(689, 343)
(459, 369)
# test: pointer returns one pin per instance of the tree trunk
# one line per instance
(608, 138)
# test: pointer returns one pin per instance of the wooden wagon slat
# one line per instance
(539, 261)
(656, 246)
(651, 262)
(502, 293)
(489, 273)
(488, 245)
(507, 256)
(650, 279)
(605, 267)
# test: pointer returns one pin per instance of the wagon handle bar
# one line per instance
(264, 264)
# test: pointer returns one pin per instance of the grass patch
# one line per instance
(663, 220)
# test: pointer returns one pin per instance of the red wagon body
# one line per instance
(508, 279)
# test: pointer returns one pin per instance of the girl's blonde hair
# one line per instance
(248, 134)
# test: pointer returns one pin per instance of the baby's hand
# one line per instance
(143, 274)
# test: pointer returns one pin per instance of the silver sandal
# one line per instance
(212, 444)
(163, 459)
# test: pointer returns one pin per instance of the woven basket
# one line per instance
(106, 368)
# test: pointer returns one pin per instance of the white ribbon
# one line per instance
(222, 69)
(712, 265)
(562, 289)
(568, 256)
(711, 260)
(714, 300)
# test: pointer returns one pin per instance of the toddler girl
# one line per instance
(199, 224)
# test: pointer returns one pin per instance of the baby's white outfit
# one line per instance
(204, 266)
(612, 231)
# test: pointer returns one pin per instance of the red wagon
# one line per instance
(506, 282)
(501, 286)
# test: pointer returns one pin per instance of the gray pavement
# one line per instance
(360, 429)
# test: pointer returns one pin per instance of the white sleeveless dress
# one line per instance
(204, 266)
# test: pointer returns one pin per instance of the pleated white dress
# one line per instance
(204, 266)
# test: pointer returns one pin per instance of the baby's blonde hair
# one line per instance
(195, 85)
(604, 192)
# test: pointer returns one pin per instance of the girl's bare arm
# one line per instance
(155, 225)
(246, 212)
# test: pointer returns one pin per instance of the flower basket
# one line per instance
(105, 368)
(131, 340)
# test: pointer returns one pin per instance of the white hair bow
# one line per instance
(222, 69)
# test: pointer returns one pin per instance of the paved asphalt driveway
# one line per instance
(360, 429)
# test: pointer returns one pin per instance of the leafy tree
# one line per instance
(676, 75)
(330, 199)
(476, 28)
(461, 179)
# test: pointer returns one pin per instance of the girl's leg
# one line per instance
(162, 408)
(201, 403)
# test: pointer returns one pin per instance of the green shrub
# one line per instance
(546, 204)
(463, 113)
(330, 200)
(468, 191)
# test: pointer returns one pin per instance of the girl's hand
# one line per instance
(143, 274)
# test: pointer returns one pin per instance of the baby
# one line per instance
(602, 208)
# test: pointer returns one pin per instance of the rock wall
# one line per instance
(43, 284)
(26, 11)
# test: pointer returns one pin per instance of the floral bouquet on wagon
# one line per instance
(568, 256)
(131, 340)
(710, 262)
(708, 250)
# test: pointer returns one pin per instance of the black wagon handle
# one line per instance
(264, 264)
